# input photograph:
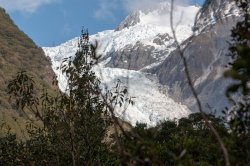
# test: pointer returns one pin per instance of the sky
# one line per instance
(52, 22)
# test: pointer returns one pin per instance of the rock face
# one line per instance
(132, 57)
(135, 57)
(206, 58)
(206, 54)
(130, 21)
(214, 11)
(140, 56)
(19, 52)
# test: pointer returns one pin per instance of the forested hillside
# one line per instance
(18, 52)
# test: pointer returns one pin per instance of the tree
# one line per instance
(74, 123)
(186, 142)
(240, 70)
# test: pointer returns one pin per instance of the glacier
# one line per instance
(153, 104)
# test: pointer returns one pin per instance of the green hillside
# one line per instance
(17, 52)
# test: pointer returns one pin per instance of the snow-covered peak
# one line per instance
(144, 26)
(160, 16)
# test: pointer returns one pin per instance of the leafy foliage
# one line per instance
(186, 142)
(240, 70)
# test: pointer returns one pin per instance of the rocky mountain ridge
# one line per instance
(214, 11)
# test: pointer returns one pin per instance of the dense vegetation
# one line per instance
(186, 142)
(75, 125)
(17, 52)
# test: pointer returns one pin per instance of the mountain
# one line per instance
(214, 11)
(141, 52)
(17, 52)
(206, 54)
